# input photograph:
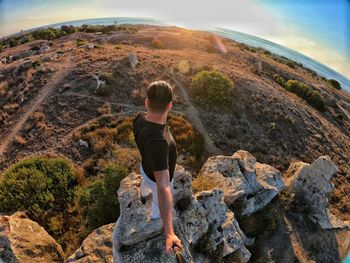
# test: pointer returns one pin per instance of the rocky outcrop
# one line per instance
(246, 183)
(202, 221)
(22, 240)
(312, 183)
(97, 247)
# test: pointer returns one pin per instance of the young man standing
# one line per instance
(158, 151)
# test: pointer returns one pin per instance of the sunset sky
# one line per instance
(319, 29)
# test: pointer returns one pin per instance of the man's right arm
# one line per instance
(165, 202)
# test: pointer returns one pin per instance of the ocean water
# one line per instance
(307, 62)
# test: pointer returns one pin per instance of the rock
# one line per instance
(84, 144)
(22, 68)
(312, 183)
(44, 49)
(23, 240)
(133, 59)
(200, 219)
(248, 185)
(97, 247)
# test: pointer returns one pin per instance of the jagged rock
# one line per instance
(97, 247)
(312, 182)
(246, 183)
(22, 240)
(200, 219)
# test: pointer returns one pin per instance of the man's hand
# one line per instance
(170, 242)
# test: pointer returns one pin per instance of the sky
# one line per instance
(319, 29)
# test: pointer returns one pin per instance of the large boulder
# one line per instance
(23, 240)
(247, 184)
(97, 247)
(311, 183)
(202, 221)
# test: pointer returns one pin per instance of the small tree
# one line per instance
(211, 88)
(100, 200)
(335, 84)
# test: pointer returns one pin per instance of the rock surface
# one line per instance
(248, 184)
(312, 182)
(97, 247)
(202, 221)
(22, 240)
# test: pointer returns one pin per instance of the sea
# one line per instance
(251, 40)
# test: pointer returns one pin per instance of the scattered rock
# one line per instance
(23, 240)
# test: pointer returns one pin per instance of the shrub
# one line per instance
(335, 84)
(41, 185)
(99, 201)
(47, 34)
(298, 88)
(315, 99)
(156, 43)
(211, 88)
(312, 97)
(68, 29)
(81, 42)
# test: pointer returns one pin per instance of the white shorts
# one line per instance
(147, 187)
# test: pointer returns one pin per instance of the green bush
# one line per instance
(68, 29)
(335, 84)
(99, 201)
(81, 42)
(312, 97)
(211, 88)
(315, 99)
(41, 185)
(298, 88)
(47, 34)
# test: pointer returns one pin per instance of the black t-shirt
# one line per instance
(156, 151)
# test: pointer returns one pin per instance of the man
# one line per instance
(158, 151)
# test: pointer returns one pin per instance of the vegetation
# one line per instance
(311, 96)
(41, 185)
(54, 33)
(335, 84)
(81, 42)
(211, 89)
(107, 88)
(102, 194)
(157, 43)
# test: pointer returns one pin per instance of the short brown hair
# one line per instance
(159, 94)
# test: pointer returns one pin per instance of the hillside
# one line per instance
(51, 104)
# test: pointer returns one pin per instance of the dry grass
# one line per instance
(3, 88)
(203, 183)
(20, 140)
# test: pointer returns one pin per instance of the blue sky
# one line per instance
(317, 28)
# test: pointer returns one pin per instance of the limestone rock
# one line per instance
(22, 240)
(247, 184)
(313, 183)
(197, 219)
(97, 247)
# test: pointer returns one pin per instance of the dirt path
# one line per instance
(65, 67)
(192, 114)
